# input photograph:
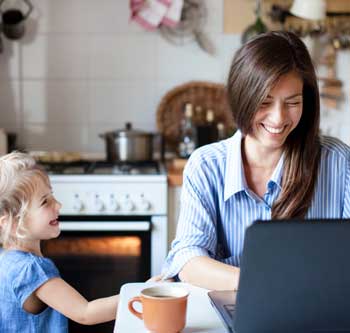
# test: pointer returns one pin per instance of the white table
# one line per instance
(201, 317)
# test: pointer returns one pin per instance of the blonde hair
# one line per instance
(19, 175)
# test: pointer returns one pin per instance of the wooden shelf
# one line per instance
(238, 14)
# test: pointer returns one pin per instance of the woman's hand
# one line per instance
(209, 273)
(159, 278)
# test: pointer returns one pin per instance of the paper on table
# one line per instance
(201, 317)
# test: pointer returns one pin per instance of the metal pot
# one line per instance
(128, 145)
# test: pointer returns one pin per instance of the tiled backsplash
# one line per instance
(83, 68)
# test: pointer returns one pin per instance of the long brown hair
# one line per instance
(255, 69)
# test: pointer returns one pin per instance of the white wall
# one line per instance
(83, 68)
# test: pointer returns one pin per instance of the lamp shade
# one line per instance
(309, 9)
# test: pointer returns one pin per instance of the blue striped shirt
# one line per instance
(217, 206)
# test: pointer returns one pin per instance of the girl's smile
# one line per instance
(54, 222)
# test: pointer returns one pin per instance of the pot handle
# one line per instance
(106, 135)
(158, 136)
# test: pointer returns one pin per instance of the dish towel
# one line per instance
(150, 14)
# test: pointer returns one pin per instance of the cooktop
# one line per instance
(103, 168)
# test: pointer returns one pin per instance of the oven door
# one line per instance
(98, 254)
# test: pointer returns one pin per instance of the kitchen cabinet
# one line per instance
(239, 14)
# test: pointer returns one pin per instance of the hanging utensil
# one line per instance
(257, 27)
(13, 20)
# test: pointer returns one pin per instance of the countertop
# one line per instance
(175, 170)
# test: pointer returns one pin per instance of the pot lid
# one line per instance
(128, 131)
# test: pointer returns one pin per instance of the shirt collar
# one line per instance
(234, 174)
(277, 173)
(234, 171)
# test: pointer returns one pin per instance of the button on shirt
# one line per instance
(217, 206)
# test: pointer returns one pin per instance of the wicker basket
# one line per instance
(208, 95)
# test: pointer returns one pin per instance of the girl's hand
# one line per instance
(62, 297)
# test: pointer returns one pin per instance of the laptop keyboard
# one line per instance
(230, 309)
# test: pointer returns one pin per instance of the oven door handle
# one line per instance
(105, 226)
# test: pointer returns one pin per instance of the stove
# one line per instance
(113, 225)
(92, 191)
(86, 188)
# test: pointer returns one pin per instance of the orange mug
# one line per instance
(163, 308)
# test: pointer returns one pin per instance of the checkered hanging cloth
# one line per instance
(150, 14)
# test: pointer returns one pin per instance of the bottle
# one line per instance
(212, 128)
(188, 136)
(221, 131)
(207, 133)
(198, 118)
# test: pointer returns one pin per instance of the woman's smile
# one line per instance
(279, 113)
(273, 130)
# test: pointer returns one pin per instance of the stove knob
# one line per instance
(78, 204)
(99, 205)
(113, 204)
(145, 205)
(128, 205)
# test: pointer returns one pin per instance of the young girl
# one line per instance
(33, 297)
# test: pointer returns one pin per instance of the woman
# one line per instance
(275, 167)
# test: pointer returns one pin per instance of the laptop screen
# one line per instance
(295, 276)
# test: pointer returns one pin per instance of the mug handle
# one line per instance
(1, 2)
(132, 309)
(30, 8)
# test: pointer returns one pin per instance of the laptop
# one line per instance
(295, 277)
